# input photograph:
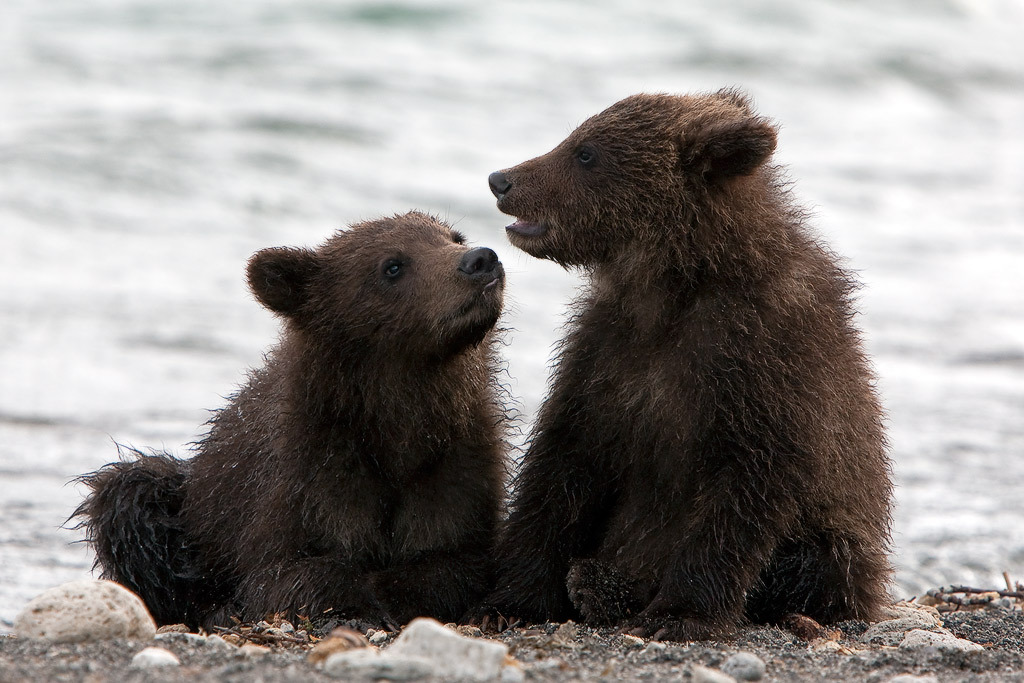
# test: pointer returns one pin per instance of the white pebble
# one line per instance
(632, 641)
(892, 631)
(452, 655)
(512, 674)
(217, 642)
(154, 657)
(85, 610)
(702, 674)
(175, 637)
(744, 666)
(370, 663)
(946, 642)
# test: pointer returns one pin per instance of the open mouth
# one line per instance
(527, 228)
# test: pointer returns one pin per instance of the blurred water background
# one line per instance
(147, 148)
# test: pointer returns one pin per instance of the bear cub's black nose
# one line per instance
(499, 183)
(478, 261)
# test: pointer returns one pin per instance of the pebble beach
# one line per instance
(916, 643)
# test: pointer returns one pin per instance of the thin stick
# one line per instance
(943, 593)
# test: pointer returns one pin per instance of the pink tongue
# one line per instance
(527, 229)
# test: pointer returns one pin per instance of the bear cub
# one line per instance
(361, 470)
(712, 449)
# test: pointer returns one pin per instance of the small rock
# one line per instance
(549, 664)
(340, 639)
(85, 610)
(219, 643)
(184, 638)
(378, 638)
(255, 651)
(632, 641)
(451, 655)
(927, 601)
(702, 674)
(173, 628)
(286, 627)
(654, 647)
(946, 642)
(469, 631)
(805, 628)
(745, 666)
(232, 640)
(154, 657)
(512, 672)
(370, 663)
(912, 610)
(891, 632)
(822, 645)
(565, 634)
(911, 678)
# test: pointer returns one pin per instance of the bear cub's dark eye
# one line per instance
(586, 156)
(392, 268)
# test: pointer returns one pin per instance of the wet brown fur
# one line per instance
(361, 469)
(712, 447)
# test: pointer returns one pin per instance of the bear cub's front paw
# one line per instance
(601, 593)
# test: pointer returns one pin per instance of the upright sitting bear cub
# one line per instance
(712, 447)
(361, 469)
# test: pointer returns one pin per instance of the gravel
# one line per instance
(559, 652)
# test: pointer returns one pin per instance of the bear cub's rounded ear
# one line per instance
(280, 277)
(724, 149)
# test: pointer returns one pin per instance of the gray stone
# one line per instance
(631, 641)
(926, 615)
(216, 642)
(565, 635)
(744, 666)
(891, 632)
(512, 674)
(469, 631)
(172, 637)
(254, 651)
(85, 610)
(911, 678)
(919, 639)
(451, 655)
(154, 658)
(370, 663)
(702, 674)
